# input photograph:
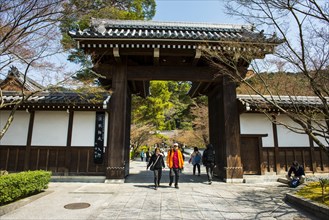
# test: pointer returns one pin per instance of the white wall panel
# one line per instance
(50, 128)
(17, 132)
(83, 133)
(257, 124)
(287, 138)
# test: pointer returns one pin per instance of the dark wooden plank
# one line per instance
(16, 158)
(276, 146)
(225, 136)
(29, 141)
(178, 73)
(117, 129)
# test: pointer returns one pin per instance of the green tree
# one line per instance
(179, 116)
(158, 103)
(77, 15)
(168, 106)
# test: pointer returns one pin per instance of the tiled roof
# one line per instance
(127, 29)
(258, 102)
(57, 98)
(23, 80)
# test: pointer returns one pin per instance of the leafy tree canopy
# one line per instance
(77, 15)
(167, 107)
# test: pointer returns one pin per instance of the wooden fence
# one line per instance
(59, 160)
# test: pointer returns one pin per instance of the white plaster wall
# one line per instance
(50, 128)
(287, 138)
(322, 121)
(257, 124)
(83, 133)
(17, 132)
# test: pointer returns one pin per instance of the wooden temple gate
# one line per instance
(131, 53)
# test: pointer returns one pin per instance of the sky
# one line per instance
(208, 11)
(204, 11)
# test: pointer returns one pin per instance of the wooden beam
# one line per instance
(194, 89)
(179, 73)
(116, 54)
(196, 57)
(156, 56)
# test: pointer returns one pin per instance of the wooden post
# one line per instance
(276, 147)
(313, 163)
(260, 155)
(224, 130)
(118, 116)
(29, 142)
(68, 149)
(127, 141)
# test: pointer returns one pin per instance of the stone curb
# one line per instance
(22, 202)
(319, 210)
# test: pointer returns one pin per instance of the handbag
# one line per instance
(152, 166)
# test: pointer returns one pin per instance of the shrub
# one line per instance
(20, 185)
(323, 183)
(313, 191)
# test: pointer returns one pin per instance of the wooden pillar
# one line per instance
(29, 142)
(117, 126)
(68, 149)
(224, 130)
(276, 147)
(127, 141)
(312, 155)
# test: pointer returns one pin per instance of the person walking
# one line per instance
(142, 155)
(208, 160)
(148, 155)
(175, 163)
(196, 160)
(156, 163)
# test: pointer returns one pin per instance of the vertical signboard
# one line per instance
(99, 138)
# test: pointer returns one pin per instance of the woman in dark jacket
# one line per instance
(157, 163)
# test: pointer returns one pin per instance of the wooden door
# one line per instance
(250, 155)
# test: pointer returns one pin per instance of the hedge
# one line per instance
(19, 185)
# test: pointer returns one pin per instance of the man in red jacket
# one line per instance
(175, 162)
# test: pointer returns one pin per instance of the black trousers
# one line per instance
(174, 172)
(196, 166)
(210, 171)
(157, 176)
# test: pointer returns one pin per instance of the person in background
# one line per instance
(298, 172)
(208, 160)
(142, 155)
(157, 162)
(196, 160)
(148, 155)
(175, 163)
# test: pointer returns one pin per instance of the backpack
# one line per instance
(197, 158)
(294, 183)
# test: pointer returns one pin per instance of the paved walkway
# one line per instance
(137, 199)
